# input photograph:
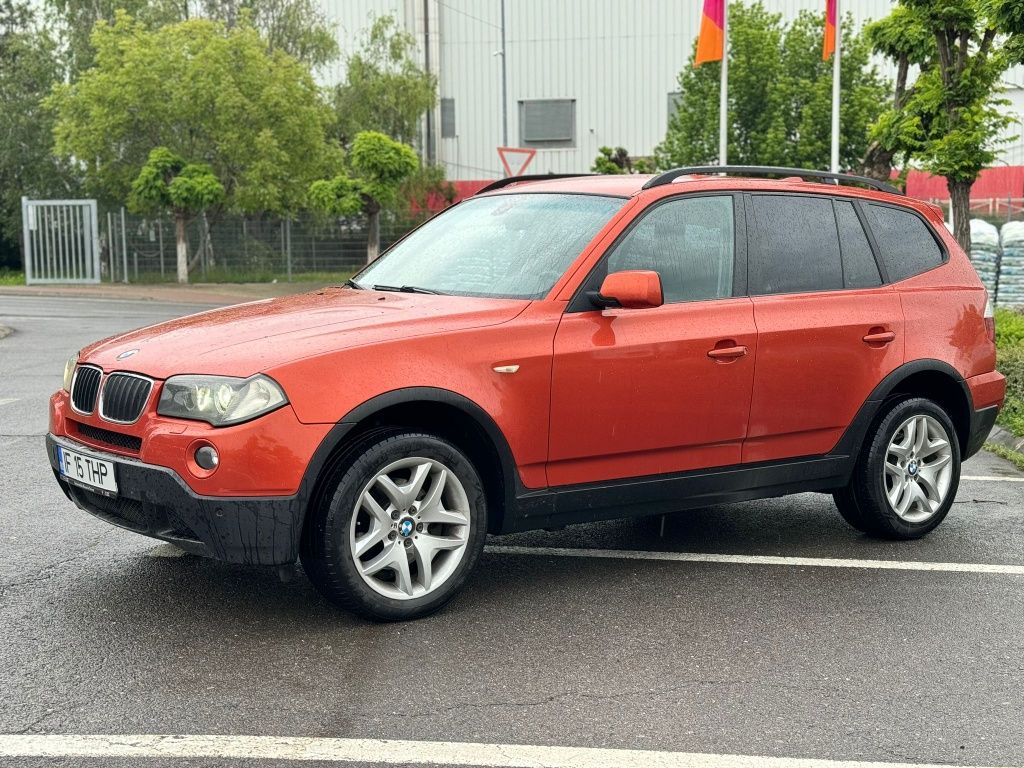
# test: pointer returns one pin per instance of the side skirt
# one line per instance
(657, 494)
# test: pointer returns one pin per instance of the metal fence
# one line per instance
(61, 241)
(236, 248)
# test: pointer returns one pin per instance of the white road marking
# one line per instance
(8, 400)
(993, 478)
(701, 557)
(397, 752)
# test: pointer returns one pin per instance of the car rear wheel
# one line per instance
(907, 475)
(397, 527)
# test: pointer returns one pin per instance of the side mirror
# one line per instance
(634, 289)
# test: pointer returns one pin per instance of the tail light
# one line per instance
(990, 319)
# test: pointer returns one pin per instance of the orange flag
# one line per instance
(830, 30)
(710, 43)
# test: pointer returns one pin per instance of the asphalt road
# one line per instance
(100, 634)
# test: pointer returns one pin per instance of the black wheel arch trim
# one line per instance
(336, 437)
(851, 441)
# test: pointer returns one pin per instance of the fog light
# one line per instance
(207, 458)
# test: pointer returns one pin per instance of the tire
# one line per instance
(903, 484)
(396, 527)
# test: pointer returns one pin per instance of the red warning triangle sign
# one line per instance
(515, 159)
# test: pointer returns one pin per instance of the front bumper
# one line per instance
(156, 502)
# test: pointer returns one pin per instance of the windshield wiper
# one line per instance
(353, 284)
(407, 289)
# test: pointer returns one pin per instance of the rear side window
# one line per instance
(859, 267)
(905, 243)
(795, 247)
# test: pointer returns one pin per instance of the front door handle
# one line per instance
(882, 337)
(727, 353)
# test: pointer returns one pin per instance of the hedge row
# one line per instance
(1010, 347)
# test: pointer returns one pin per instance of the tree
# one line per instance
(204, 92)
(902, 37)
(950, 120)
(426, 187)
(618, 160)
(385, 90)
(28, 70)
(76, 20)
(376, 169)
(779, 96)
(167, 183)
(297, 27)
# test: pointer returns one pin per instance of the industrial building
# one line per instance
(579, 74)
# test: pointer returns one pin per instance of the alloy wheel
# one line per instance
(918, 469)
(410, 528)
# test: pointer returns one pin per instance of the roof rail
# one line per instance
(529, 177)
(767, 170)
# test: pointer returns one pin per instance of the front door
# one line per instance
(663, 390)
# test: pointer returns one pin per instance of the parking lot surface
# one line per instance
(796, 649)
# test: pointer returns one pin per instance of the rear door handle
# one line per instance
(884, 337)
(727, 353)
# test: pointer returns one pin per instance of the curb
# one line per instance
(1006, 439)
(207, 294)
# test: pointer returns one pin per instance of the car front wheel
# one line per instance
(399, 527)
(907, 475)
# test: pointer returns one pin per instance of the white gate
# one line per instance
(61, 241)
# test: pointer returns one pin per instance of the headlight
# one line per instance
(220, 400)
(69, 371)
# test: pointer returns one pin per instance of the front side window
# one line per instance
(513, 246)
(689, 242)
(794, 245)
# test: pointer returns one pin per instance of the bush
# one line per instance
(1009, 328)
(1010, 352)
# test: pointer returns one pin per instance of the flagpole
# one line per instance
(836, 88)
(723, 91)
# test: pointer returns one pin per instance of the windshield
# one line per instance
(504, 246)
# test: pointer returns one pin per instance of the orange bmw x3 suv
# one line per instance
(550, 351)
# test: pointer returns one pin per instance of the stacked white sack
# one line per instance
(1011, 276)
(985, 251)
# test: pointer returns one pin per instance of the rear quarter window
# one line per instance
(905, 243)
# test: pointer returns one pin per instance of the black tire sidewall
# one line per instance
(343, 583)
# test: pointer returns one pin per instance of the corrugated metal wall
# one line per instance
(351, 18)
(618, 59)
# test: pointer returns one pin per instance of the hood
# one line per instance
(245, 339)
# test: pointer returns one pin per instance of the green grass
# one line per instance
(1004, 452)
(11, 277)
(1010, 361)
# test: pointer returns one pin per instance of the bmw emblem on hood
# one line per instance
(127, 353)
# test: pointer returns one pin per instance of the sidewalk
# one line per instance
(215, 294)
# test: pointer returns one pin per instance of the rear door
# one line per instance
(829, 330)
(635, 391)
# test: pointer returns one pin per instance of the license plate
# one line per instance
(87, 470)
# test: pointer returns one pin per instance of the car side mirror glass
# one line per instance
(633, 289)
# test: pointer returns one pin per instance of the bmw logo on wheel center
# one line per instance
(406, 527)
